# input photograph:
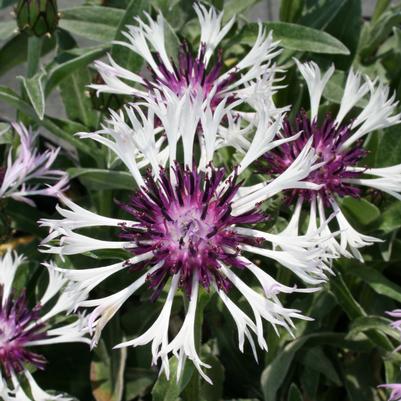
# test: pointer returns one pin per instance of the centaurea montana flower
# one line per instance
(22, 175)
(189, 226)
(202, 73)
(23, 327)
(339, 148)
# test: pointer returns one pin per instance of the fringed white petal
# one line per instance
(157, 334)
(389, 180)
(9, 264)
(350, 238)
(290, 179)
(40, 395)
(244, 323)
(272, 312)
(315, 83)
(211, 31)
(107, 307)
(183, 344)
(77, 217)
(378, 113)
(72, 243)
(355, 89)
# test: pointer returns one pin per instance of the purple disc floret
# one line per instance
(192, 74)
(185, 219)
(328, 139)
(19, 326)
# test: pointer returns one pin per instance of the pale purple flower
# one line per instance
(22, 328)
(339, 147)
(190, 224)
(395, 391)
(29, 172)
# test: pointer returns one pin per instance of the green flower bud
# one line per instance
(37, 17)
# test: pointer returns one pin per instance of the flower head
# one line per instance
(192, 224)
(23, 327)
(200, 73)
(27, 167)
(339, 150)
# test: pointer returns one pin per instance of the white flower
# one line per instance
(200, 73)
(190, 224)
(339, 151)
(22, 328)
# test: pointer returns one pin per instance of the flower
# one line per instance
(202, 73)
(189, 225)
(23, 327)
(340, 151)
(395, 391)
(29, 166)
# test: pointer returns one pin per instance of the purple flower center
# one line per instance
(185, 220)
(192, 72)
(19, 326)
(327, 142)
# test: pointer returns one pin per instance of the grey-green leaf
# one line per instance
(298, 37)
(34, 89)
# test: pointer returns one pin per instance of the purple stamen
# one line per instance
(185, 220)
(327, 142)
(192, 73)
(18, 326)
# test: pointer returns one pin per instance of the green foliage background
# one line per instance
(348, 349)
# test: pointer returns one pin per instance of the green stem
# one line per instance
(192, 390)
(34, 53)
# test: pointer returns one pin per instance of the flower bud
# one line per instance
(37, 17)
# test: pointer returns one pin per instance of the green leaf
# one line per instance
(6, 3)
(72, 64)
(374, 279)
(360, 210)
(291, 10)
(346, 27)
(123, 56)
(14, 51)
(275, 373)
(298, 37)
(8, 29)
(103, 179)
(212, 392)
(169, 390)
(388, 152)
(236, 7)
(391, 218)
(138, 381)
(34, 89)
(294, 394)
(14, 100)
(107, 371)
(316, 360)
(321, 13)
(95, 23)
(75, 97)
(378, 323)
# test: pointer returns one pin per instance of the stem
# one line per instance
(34, 53)
(192, 390)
